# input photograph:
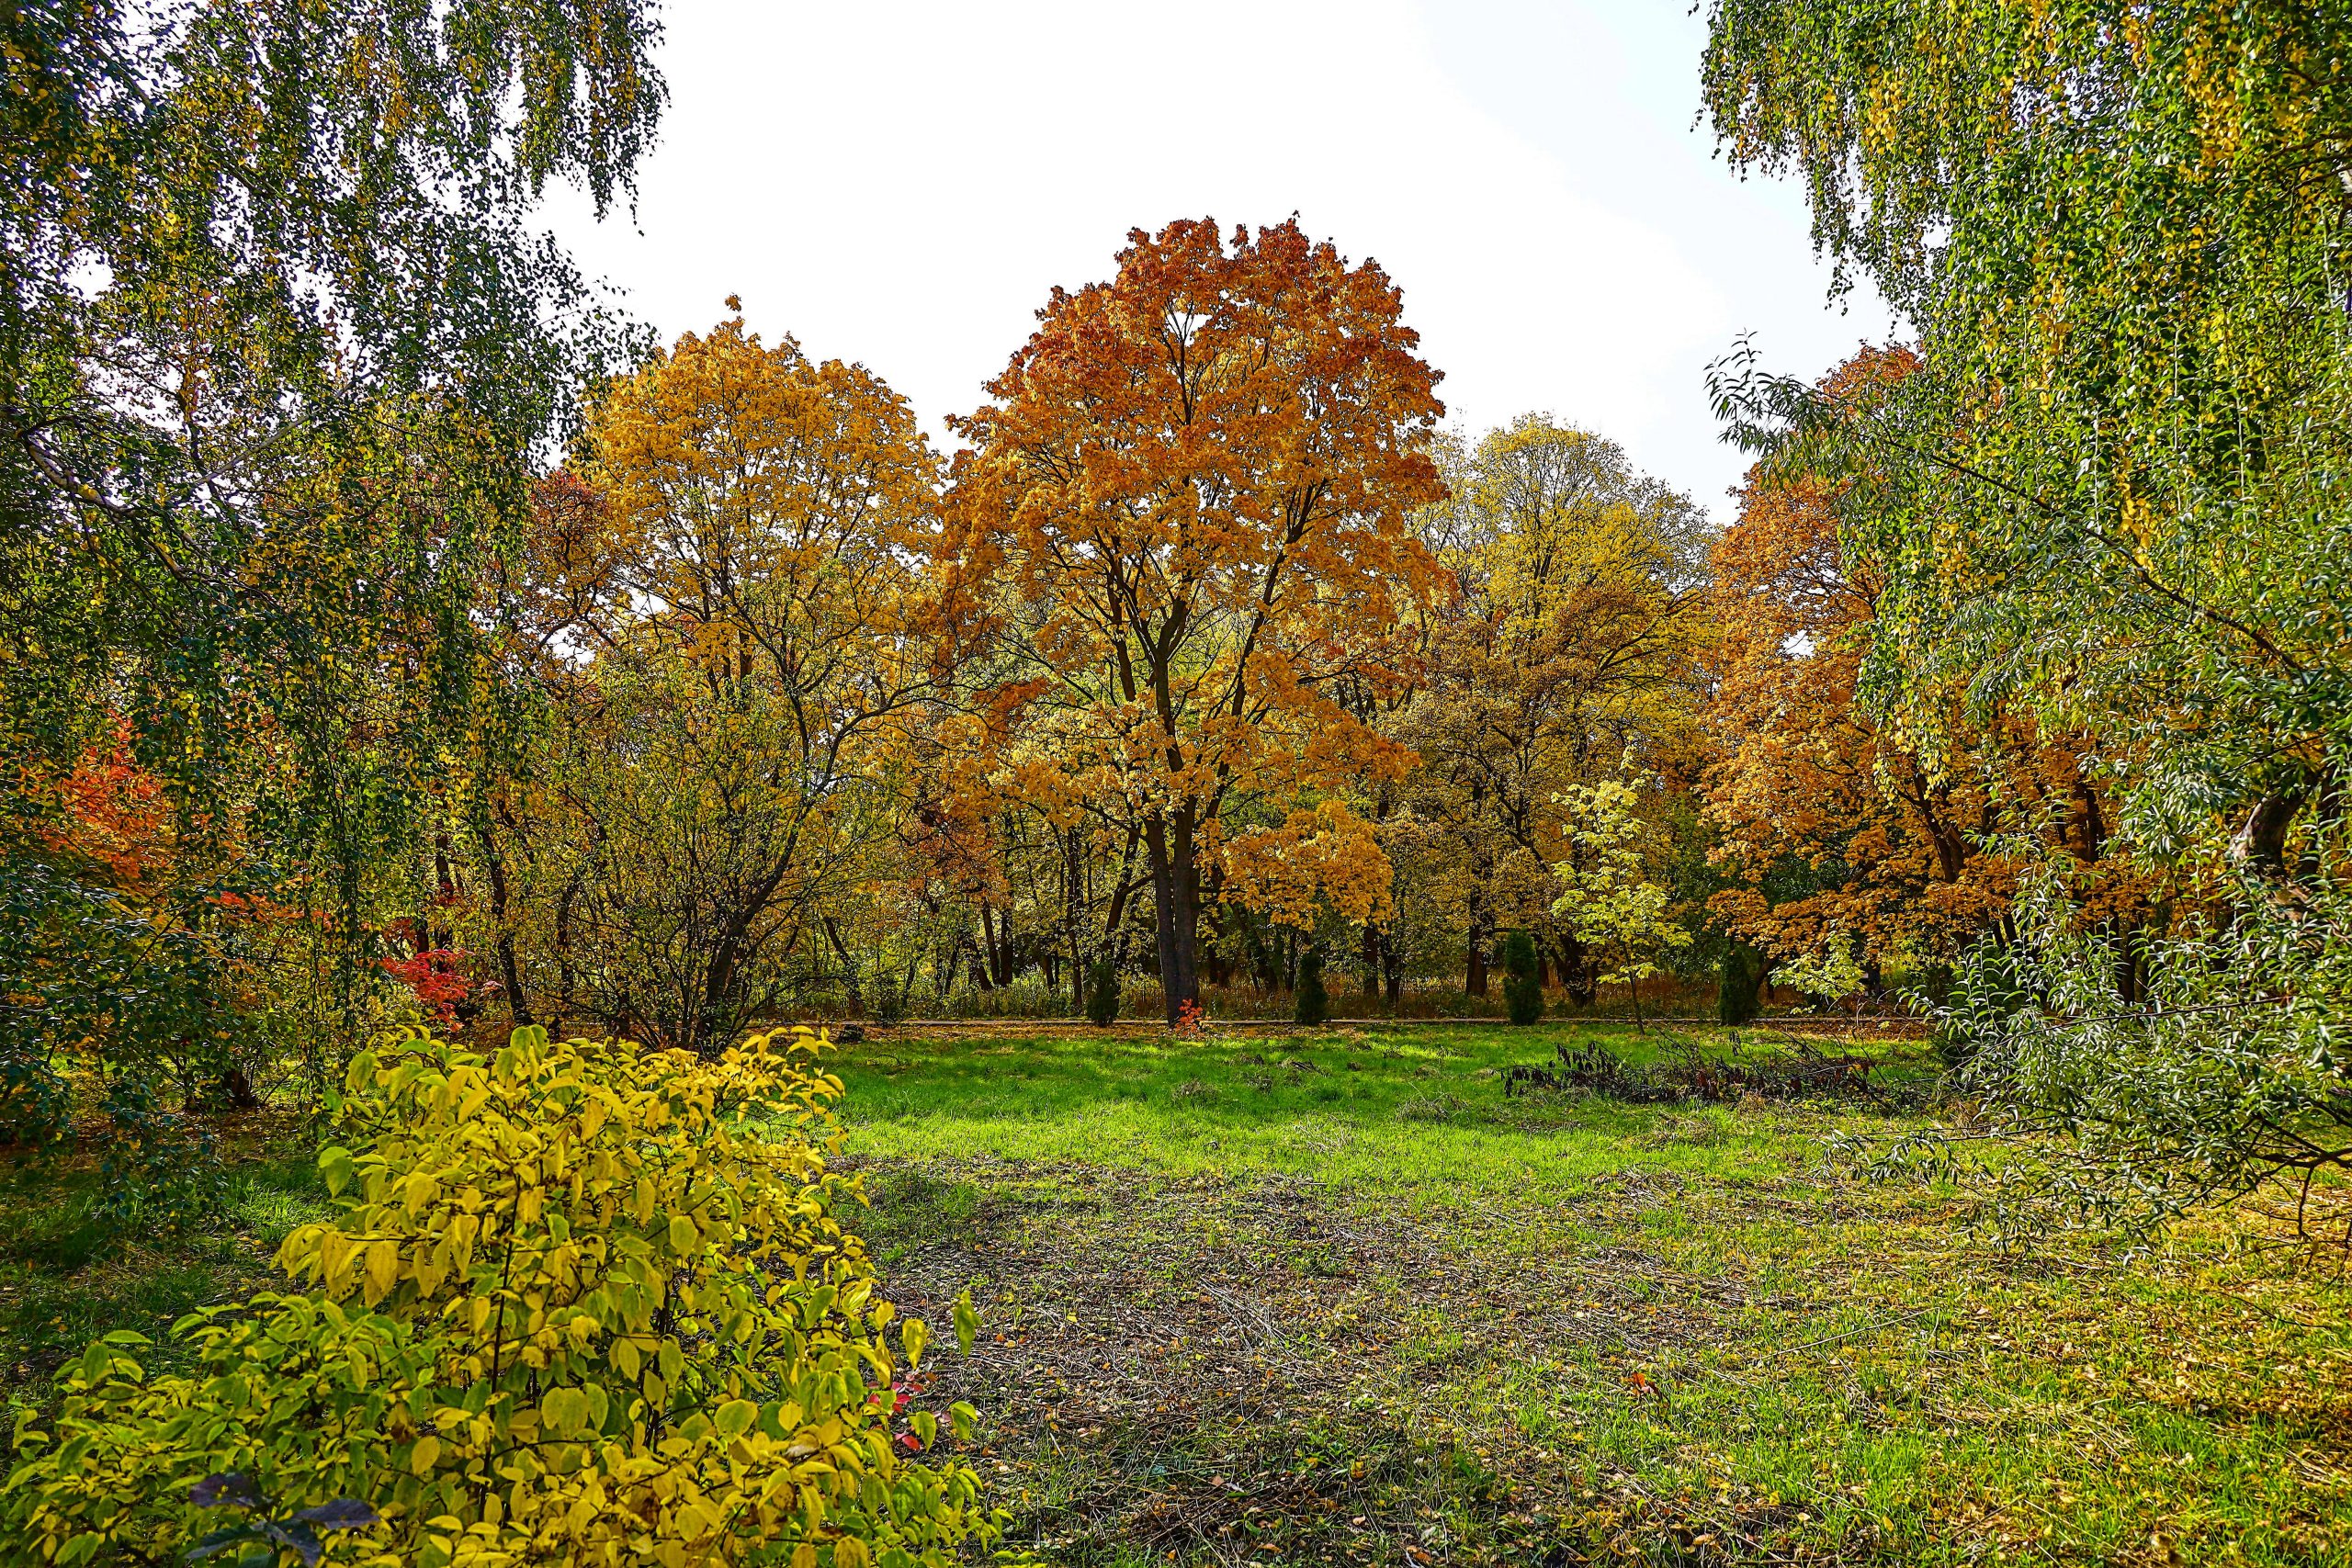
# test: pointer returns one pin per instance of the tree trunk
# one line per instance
(2261, 845)
(567, 981)
(1176, 892)
(510, 972)
(1073, 892)
(1370, 960)
(1576, 972)
(718, 980)
(849, 966)
(1475, 980)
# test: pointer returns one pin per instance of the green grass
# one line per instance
(68, 1273)
(1335, 1298)
(1332, 1297)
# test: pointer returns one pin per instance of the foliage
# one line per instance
(1312, 1004)
(1573, 642)
(2112, 495)
(1180, 535)
(1691, 1073)
(2116, 486)
(1522, 985)
(277, 347)
(265, 1529)
(1890, 822)
(743, 566)
(2233, 1075)
(160, 1173)
(582, 1301)
(1607, 896)
(1830, 973)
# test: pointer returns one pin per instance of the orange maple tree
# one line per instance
(1913, 843)
(1182, 526)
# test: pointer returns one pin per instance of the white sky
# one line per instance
(900, 182)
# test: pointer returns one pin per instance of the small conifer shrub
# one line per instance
(1523, 990)
(1102, 994)
(1311, 1003)
(1735, 993)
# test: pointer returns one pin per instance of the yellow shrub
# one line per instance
(587, 1305)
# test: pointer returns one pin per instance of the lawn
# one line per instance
(1333, 1297)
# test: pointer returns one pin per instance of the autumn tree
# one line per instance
(742, 548)
(277, 351)
(1570, 650)
(1897, 830)
(1184, 522)
(1615, 908)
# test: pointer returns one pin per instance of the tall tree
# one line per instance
(2118, 484)
(276, 348)
(1569, 655)
(1909, 845)
(2117, 491)
(1186, 513)
(735, 749)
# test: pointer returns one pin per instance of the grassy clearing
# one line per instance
(1333, 1298)
(1330, 1297)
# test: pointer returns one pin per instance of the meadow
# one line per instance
(1331, 1296)
(1334, 1296)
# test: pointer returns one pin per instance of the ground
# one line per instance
(1334, 1297)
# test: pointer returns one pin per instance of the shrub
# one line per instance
(159, 1172)
(1311, 1002)
(585, 1305)
(35, 1103)
(1523, 990)
(1742, 974)
(2229, 1076)
(1102, 994)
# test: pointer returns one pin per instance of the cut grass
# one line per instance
(1334, 1298)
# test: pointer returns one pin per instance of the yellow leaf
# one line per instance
(422, 1456)
(383, 1270)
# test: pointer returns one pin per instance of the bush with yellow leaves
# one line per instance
(586, 1306)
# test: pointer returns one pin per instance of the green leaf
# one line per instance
(967, 1322)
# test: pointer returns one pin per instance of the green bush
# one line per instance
(1737, 986)
(159, 1173)
(586, 1304)
(35, 1104)
(1103, 993)
(1523, 990)
(1311, 1003)
(2229, 1075)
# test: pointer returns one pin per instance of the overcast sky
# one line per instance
(900, 183)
